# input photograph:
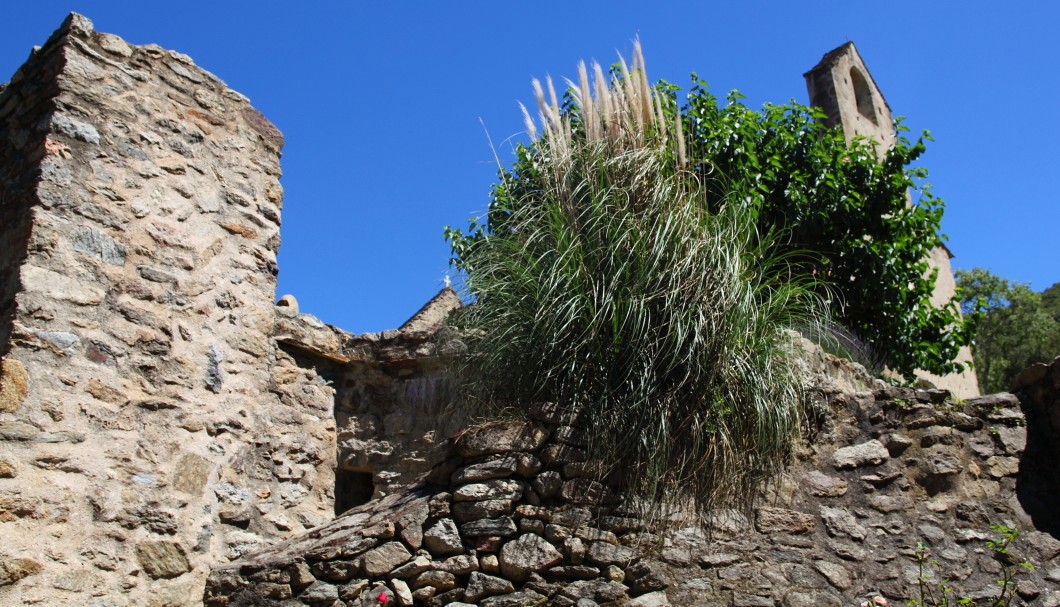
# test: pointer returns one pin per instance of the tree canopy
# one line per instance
(1018, 326)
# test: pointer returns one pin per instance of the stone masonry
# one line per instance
(141, 438)
(513, 517)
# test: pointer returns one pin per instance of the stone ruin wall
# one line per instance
(513, 518)
(158, 416)
(142, 437)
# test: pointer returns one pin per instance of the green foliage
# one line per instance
(843, 203)
(1051, 301)
(1017, 327)
(605, 284)
(939, 593)
(834, 199)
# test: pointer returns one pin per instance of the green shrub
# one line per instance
(607, 282)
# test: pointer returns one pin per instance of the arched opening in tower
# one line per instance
(863, 95)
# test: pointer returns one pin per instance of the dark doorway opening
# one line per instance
(352, 489)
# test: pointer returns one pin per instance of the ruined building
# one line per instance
(169, 436)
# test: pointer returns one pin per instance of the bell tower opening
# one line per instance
(863, 95)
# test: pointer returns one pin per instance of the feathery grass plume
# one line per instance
(609, 288)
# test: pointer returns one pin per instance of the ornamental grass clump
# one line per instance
(608, 287)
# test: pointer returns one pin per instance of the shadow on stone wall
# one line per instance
(1038, 483)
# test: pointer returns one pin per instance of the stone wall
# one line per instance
(390, 391)
(141, 439)
(514, 518)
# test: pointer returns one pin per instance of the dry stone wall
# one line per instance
(514, 517)
(141, 437)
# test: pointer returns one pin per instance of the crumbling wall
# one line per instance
(390, 395)
(514, 517)
(141, 436)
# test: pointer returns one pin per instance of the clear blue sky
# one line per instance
(383, 106)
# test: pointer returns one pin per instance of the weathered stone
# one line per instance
(56, 286)
(870, 453)
(527, 554)
(380, 561)
(526, 598)
(441, 580)
(162, 559)
(461, 564)
(500, 527)
(585, 491)
(500, 437)
(548, 484)
(8, 468)
(1012, 440)
(450, 597)
(319, 593)
(412, 568)
(646, 576)
(572, 517)
(890, 503)
(840, 522)
(473, 511)
(939, 467)
(502, 467)
(559, 455)
(14, 385)
(98, 245)
(1000, 467)
(604, 553)
(191, 473)
(600, 591)
(335, 571)
(812, 598)
(719, 559)
(781, 520)
(651, 599)
(489, 490)
(480, 585)
(443, 538)
(402, 592)
(65, 125)
(836, 574)
(823, 485)
(14, 569)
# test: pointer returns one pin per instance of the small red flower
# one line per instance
(383, 598)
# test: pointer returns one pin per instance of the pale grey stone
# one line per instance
(527, 554)
(443, 538)
(836, 574)
(869, 453)
(380, 561)
(473, 511)
(65, 125)
(489, 490)
(840, 522)
(604, 553)
(98, 245)
(480, 585)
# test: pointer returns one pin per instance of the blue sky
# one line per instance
(384, 106)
